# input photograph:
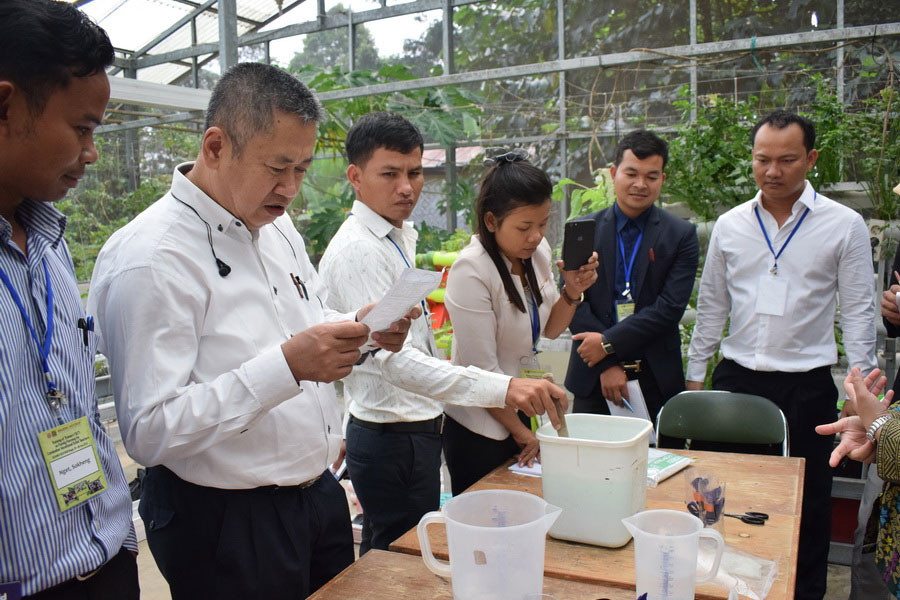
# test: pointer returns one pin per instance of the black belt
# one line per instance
(434, 425)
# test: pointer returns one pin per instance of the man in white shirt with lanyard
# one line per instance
(775, 269)
(396, 400)
(221, 346)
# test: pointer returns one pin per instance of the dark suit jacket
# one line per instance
(664, 273)
(894, 330)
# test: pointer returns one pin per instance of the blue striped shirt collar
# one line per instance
(38, 218)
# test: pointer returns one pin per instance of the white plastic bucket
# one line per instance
(598, 476)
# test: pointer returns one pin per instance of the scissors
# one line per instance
(753, 518)
(708, 517)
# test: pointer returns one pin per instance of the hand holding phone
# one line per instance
(578, 244)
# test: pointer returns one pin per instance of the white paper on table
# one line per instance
(534, 471)
(409, 289)
(637, 402)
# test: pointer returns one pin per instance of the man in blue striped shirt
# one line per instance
(65, 509)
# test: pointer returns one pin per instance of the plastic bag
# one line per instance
(749, 575)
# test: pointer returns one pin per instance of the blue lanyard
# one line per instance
(535, 323)
(774, 269)
(44, 348)
(406, 262)
(627, 264)
(403, 256)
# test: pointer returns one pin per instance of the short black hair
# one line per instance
(381, 130)
(245, 99)
(780, 119)
(43, 44)
(643, 144)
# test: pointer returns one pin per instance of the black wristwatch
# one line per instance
(607, 347)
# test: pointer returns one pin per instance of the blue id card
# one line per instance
(11, 591)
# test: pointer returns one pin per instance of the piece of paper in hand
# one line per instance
(409, 289)
(637, 402)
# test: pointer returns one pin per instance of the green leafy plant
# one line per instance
(584, 199)
(709, 159)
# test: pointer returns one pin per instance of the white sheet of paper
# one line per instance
(771, 298)
(637, 402)
(534, 471)
(409, 289)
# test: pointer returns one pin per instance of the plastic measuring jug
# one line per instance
(496, 541)
(597, 475)
(665, 553)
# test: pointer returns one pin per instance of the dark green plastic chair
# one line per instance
(716, 416)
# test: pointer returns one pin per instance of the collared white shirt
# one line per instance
(829, 258)
(488, 330)
(201, 383)
(359, 266)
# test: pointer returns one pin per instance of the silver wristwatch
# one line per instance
(875, 426)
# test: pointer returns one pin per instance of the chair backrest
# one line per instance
(716, 416)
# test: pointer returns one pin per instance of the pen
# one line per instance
(299, 284)
(627, 404)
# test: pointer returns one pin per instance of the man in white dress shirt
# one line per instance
(221, 346)
(775, 269)
(396, 399)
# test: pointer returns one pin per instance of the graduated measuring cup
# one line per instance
(665, 553)
(496, 544)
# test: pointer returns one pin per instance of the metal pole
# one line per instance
(228, 48)
(268, 52)
(195, 71)
(450, 163)
(840, 54)
(351, 42)
(693, 70)
(563, 140)
(132, 155)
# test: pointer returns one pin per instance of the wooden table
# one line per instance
(770, 484)
(380, 575)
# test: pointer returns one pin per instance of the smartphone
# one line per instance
(578, 244)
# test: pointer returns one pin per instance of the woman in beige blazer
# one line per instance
(501, 295)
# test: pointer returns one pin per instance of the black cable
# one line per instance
(224, 269)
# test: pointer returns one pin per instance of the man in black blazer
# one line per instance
(627, 326)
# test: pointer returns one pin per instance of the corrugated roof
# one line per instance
(132, 24)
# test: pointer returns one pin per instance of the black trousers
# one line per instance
(471, 456)
(596, 404)
(116, 580)
(265, 543)
(396, 477)
(806, 399)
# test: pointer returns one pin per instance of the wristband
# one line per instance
(569, 300)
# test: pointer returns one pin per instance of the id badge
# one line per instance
(771, 295)
(624, 310)
(530, 368)
(11, 591)
(72, 462)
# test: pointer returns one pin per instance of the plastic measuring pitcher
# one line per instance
(496, 544)
(665, 553)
